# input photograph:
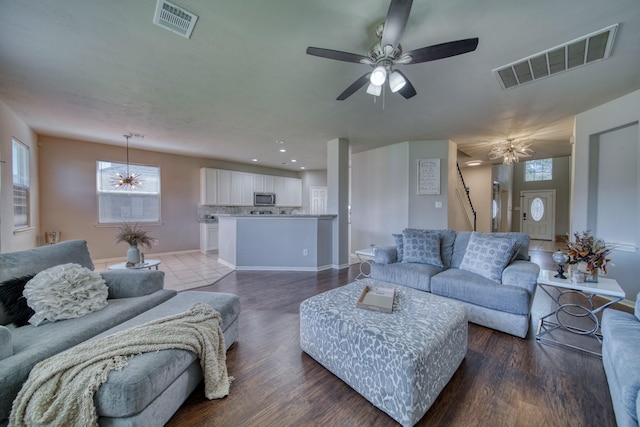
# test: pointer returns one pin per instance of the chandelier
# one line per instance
(127, 181)
(511, 150)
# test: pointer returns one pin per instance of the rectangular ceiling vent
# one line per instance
(576, 53)
(174, 18)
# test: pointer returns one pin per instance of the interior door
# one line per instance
(318, 202)
(538, 214)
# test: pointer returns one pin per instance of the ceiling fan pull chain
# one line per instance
(384, 91)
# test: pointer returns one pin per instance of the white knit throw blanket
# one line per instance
(60, 390)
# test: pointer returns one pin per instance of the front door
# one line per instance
(538, 216)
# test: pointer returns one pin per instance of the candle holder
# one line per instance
(561, 258)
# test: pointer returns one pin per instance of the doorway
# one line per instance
(538, 216)
(318, 202)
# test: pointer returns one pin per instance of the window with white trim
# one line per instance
(538, 170)
(126, 204)
(21, 187)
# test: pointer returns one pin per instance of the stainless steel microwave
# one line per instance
(264, 199)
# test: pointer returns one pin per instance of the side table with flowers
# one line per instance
(134, 234)
(588, 255)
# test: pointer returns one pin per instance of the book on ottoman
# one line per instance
(377, 298)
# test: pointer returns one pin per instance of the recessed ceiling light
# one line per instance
(279, 141)
(302, 167)
(293, 160)
(282, 150)
(254, 160)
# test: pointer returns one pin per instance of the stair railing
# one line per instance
(470, 204)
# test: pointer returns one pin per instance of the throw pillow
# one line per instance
(399, 246)
(14, 303)
(65, 291)
(421, 247)
(385, 255)
(487, 255)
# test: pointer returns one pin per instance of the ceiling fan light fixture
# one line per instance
(396, 81)
(374, 90)
(378, 76)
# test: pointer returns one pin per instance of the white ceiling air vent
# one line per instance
(576, 53)
(174, 18)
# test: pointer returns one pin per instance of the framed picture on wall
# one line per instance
(429, 176)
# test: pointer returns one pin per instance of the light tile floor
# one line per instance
(183, 270)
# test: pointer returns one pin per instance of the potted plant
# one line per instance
(135, 235)
(589, 254)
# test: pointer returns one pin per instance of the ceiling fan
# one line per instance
(387, 52)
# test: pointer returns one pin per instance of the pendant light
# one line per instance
(130, 180)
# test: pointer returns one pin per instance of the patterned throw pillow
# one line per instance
(487, 255)
(65, 291)
(421, 247)
(399, 246)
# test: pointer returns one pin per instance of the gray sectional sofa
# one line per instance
(621, 360)
(489, 273)
(154, 385)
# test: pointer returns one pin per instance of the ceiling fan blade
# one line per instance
(395, 22)
(443, 50)
(354, 87)
(336, 54)
(408, 91)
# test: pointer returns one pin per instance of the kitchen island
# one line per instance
(276, 242)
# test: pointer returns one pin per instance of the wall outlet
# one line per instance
(305, 252)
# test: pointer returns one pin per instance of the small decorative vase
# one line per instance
(588, 276)
(133, 254)
(591, 278)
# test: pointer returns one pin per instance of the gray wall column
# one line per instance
(338, 198)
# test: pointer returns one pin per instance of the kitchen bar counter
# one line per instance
(276, 216)
(276, 242)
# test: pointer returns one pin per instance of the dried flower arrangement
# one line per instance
(134, 234)
(589, 250)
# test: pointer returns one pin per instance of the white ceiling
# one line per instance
(94, 70)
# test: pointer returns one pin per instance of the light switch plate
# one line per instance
(439, 205)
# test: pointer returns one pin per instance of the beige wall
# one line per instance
(69, 201)
(11, 126)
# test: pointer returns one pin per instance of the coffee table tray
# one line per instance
(377, 298)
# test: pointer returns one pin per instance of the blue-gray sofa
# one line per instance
(494, 280)
(153, 385)
(621, 359)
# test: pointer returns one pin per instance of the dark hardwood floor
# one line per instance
(503, 381)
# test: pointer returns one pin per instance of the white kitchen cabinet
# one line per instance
(208, 186)
(264, 183)
(208, 237)
(281, 198)
(224, 188)
(288, 191)
(293, 188)
(241, 189)
(219, 187)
